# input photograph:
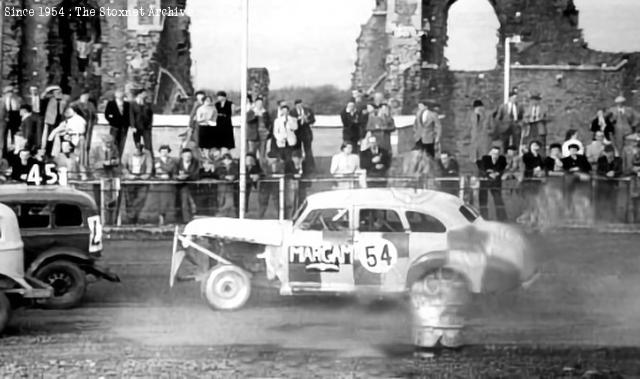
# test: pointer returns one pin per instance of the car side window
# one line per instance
(331, 219)
(424, 223)
(67, 215)
(380, 220)
(33, 215)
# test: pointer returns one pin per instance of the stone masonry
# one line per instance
(553, 59)
(39, 50)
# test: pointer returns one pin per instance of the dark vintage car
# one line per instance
(62, 235)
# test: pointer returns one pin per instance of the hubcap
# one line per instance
(228, 286)
(60, 281)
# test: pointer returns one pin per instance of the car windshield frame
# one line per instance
(301, 209)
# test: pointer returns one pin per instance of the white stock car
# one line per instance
(378, 241)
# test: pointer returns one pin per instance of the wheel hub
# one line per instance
(60, 281)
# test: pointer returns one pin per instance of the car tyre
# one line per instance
(5, 311)
(69, 284)
(226, 287)
(439, 301)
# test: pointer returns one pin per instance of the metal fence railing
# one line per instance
(564, 197)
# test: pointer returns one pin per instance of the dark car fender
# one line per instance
(74, 255)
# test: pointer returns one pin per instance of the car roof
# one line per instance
(389, 197)
(23, 192)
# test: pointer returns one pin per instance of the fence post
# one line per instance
(118, 201)
(461, 184)
(281, 197)
(103, 208)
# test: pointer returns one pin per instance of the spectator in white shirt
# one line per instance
(595, 148)
(345, 163)
(73, 129)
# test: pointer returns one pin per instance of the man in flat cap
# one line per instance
(625, 119)
(535, 127)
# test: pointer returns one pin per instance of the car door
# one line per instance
(69, 222)
(428, 233)
(320, 251)
(382, 250)
(34, 220)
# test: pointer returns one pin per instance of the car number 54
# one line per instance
(377, 256)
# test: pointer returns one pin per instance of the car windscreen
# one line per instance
(299, 212)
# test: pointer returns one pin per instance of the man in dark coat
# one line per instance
(609, 167)
(376, 161)
(306, 119)
(29, 127)
(350, 124)
(119, 119)
(491, 168)
(141, 118)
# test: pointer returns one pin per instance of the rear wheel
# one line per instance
(439, 300)
(226, 287)
(5, 311)
(68, 281)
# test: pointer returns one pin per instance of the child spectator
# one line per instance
(553, 162)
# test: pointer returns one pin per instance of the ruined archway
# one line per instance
(472, 36)
(74, 50)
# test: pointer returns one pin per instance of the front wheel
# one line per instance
(226, 287)
(68, 281)
(438, 301)
(5, 311)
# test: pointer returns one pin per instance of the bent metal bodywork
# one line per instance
(375, 241)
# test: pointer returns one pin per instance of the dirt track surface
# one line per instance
(581, 318)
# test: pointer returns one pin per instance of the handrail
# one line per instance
(568, 67)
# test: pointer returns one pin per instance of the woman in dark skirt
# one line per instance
(225, 140)
(208, 131)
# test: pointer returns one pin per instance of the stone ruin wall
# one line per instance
(552, 37)
(128, 59)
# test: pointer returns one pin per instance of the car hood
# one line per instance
(264, 232)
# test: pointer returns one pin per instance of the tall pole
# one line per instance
(507, 67)
(244, 68)
(1, 42)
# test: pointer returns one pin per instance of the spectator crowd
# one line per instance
(510, 143)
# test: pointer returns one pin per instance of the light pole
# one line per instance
(244, 68)
(507, 63)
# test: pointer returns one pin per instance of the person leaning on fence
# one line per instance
(269, 185)
(513, 171)
(67, 159)
(164, 195)
(188, 171)
(345, 165)
(137, 166)
(609, 168)
(635, 161)
(448, 168)
(104, 159)
(595, 149)
(22, 165)
(254, 173)
(376, 162)
(572, 137)
(491, 168)
(228, 190)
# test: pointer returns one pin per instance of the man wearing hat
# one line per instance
(535, 127)
(54, 112)
(480, 130)
(509, 118)
(625, 120)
